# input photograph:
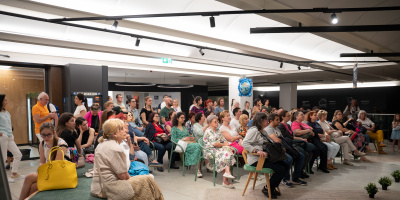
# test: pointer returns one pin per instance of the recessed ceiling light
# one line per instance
(126, 84)
(174, 86)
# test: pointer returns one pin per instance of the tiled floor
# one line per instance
(347, 182)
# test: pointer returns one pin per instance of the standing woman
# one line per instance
(208, 108)
(197, 105)
(147, 110)
(81, 108)
(396, 131)
(7, 139)
(179, 132)
(66, 131)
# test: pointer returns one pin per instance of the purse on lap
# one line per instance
(57, 174)
(274, 150)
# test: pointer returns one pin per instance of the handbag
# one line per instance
(287, 144)
(115, 190)
(81, 162)
(57, 174)
(181, 146)
(274, 150)
(160, 140)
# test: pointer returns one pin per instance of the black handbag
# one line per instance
(287, 144)
(160, 140)
(274, 150)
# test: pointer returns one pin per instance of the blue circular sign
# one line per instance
(245, 87)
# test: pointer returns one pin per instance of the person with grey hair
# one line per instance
(216, 143)
(41, 114)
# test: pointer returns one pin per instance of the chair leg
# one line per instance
(255, 180)
(268, 185)
(247, 182)
(183, 164)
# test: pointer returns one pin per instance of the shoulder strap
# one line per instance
(266, 137)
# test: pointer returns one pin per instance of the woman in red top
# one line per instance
(154, 129)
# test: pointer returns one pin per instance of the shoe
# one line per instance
(328, 166)
(365, 159)
(382, 152)
(275, 192)
(265, 192)
(230, 186)
(160, 169)
(150, 171)
(8, 166)
(311, 171)
(324, 170)
(228, 176)
(152, 164)
(360, 154)
(333, 166)
(10, 180)
(382, 145)
(174, 166)
(287, 183)
(17, 177)
(298, 182)
(199, 174)
(304, 175)
(348, 163)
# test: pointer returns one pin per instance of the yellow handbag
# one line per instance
(57, 174)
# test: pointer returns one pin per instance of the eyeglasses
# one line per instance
(133, 101)
(130, 115)
(46, 135)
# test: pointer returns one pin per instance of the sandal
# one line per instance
(348, 163)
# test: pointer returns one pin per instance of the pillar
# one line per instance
(288, 96)
(234, 93)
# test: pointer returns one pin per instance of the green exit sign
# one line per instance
(167, 60)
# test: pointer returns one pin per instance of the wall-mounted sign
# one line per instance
(167, 60)
(245, 87)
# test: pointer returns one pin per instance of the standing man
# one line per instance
(119, 102)
(165, 111)
(163, 104)
(235, 120)
(41, 114)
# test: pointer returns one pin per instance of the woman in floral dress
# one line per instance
(224, 157)
(179, 132)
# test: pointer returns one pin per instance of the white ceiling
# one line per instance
(62, 44)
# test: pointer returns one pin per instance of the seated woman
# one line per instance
(299, 143)
(168, 123)
(154, 129)
(358, 141)
(199, 127)
(338, 137)
(253, 144)
(87, 133)
(224, 157)
(130, 118)
(230, 133)
(371, 131)
(190, 122)
(179, 132)
(111, 159)
(50, 140)
(303, 130)
(243, 121)
(333, 148)
(93, 117)
(66, 131)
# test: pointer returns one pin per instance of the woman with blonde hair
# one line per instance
(338, 137)
(111, 159)
(229, 132)
(244, 122)
(371, 130)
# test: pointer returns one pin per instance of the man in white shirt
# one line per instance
(119, 99)
(163, 104)
(235, 120)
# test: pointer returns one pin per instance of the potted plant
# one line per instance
(385, 182)
(371, 189)
(396, 175)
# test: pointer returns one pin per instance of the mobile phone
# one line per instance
(135, 143)
(351, 116)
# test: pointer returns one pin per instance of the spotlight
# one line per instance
(298, 67)
(115, 25)
(281, 65)
(201, 52)
(334, 19)
(137, 42)
(212, 21)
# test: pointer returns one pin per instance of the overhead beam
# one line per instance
(370, 55)
(235, 12)
(318, 29)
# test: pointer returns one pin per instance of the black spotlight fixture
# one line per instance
(114, 25)
(281, 65)
(298, 67)
(201, 52)
(212, 21)
(334, 19)
(137, 42)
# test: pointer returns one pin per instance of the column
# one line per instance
(234, 93)
(288, 96)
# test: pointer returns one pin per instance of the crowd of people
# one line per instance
(120, 134)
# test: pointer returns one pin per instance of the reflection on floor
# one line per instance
(347, 182)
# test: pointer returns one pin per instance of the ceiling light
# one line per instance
(298, 67)
(137, 42)
(212, 21)
(126, 84)
(174, 86)
(5, 67)
(201, 52)
(114, 25)
(281, 65)
(334, 19)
